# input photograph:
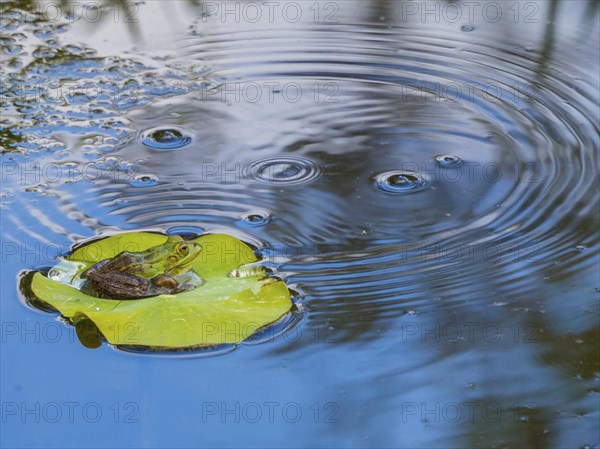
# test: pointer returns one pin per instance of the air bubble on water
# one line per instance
(43, 33)
(144, 180)
(448, 160)
(110, 161)
(257, 219)
(284, 170)
(73, 49)
(14, 49)
(166, 138)
(400, 182)
(44, 52)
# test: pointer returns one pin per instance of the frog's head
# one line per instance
(179, 255)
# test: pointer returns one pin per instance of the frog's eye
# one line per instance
(183, 248)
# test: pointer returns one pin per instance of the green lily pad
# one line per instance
(236, 300)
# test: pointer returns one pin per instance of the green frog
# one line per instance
(158, 270)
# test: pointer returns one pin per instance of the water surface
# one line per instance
(426, 183)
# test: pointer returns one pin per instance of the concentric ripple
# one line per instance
(505, 146)
(166, 138)
(448, 160)
(144, 180)
(257, 219)
(400, 182)
(284, 170)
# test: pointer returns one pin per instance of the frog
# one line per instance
(161, 269)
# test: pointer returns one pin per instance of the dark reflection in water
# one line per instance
(461, 313)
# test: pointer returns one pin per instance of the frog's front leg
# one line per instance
(189, 281)
(170, 284)
(165, 283)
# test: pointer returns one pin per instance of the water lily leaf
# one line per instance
(236, 299)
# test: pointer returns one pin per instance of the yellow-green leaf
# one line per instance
(235, 301)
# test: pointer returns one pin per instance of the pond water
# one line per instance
(423, 174)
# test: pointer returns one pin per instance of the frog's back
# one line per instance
(132, 263)
(124, 261)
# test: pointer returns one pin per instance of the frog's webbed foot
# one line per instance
(186, 286)
(188, 281)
